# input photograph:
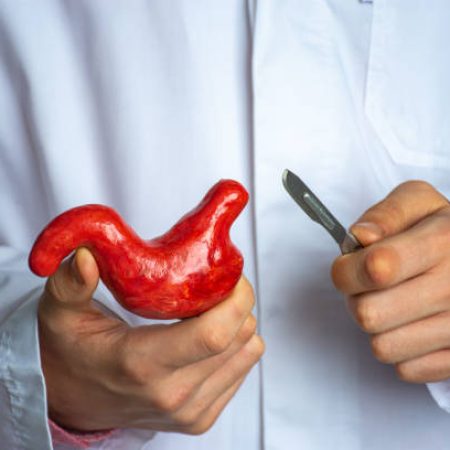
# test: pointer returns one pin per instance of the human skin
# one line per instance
(101, 373)
(398, 286)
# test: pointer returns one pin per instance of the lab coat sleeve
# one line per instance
(23, 414)
(440, 391)
(23, 410)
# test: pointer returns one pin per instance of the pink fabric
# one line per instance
(77, 440)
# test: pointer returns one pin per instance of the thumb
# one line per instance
(75, 281)
(367, 233)
(406, 205)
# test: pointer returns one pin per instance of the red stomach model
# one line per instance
(180, 274)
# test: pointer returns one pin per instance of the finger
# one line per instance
(415, 299)
(405, 206)
(197, 425)
(221, 380)
(199, 371)
(209, 417)
(413, 340)
(201, 337)
(72, 285)
(426, 369)
(236, 367)
(396, 258)
(185, 405)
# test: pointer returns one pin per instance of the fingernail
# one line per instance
(368, 231)
(75, 271)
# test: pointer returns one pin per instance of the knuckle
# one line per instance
(186, 420)
(62, 287)
(201, 426)
(256, 348)
(419, 185)
(172, 398)
(56, 288)
(337, 273)
(367, 316)
(405, 372)
(189, 417)
(248, 329)
(426, 192)
(382, 348)
(381, 266)
(216, 339)
(246, 298)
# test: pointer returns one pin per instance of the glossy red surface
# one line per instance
(180, 274)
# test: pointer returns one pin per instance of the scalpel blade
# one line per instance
(315, 209)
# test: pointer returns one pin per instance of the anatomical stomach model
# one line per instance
(180, 274)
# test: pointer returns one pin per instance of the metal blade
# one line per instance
(317, 211)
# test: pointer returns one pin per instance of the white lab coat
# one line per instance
(142, 105)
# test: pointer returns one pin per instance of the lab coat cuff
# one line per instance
(77, 440)
(23, 414)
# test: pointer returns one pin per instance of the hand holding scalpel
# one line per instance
(317, 211)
